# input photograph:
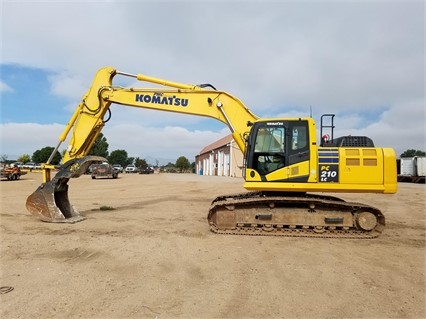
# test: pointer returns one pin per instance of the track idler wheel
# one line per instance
(365, 221)
(50, 201)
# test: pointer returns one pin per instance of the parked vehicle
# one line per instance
(118, 168)
(18, 164)
(131, 168)
(29, 165)
(12, 173)
(146, 170)
(103, 170)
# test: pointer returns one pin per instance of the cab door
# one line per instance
(275, 145)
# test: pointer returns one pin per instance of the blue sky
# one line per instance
(363, 61)
(29, 96)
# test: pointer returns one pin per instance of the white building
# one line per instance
(221, 158)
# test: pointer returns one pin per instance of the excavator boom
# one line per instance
(202, 100)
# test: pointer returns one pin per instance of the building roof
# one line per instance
(219, 143)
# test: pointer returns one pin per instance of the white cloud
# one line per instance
(66, 85)
(5, 88)
(25, 138)
(351, 58)
(168, 142)
(401, 127)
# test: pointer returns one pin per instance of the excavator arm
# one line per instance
(50, 201)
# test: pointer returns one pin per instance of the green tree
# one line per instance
(100, 147)
(3, 159)
(25, 158)
(141, 163)
(130, 160)
(119, 157)
(169, 167)
(412, 153)
(182, 164)
(42, 155)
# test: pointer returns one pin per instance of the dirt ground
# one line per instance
(153, 256)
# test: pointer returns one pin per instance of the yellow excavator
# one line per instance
(285, 169)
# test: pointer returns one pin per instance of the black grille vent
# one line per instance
(351, 141)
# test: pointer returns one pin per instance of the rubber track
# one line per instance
(253, 199)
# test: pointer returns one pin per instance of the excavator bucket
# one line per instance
(50, 201)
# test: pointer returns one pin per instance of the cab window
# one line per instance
(270, 139)
(299, 137)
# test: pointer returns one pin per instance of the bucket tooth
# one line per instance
(50, 202)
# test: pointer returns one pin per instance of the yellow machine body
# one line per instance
(349, 170)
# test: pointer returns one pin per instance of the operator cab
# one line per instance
(276, 144)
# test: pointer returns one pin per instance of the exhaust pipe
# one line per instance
(50, 202)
